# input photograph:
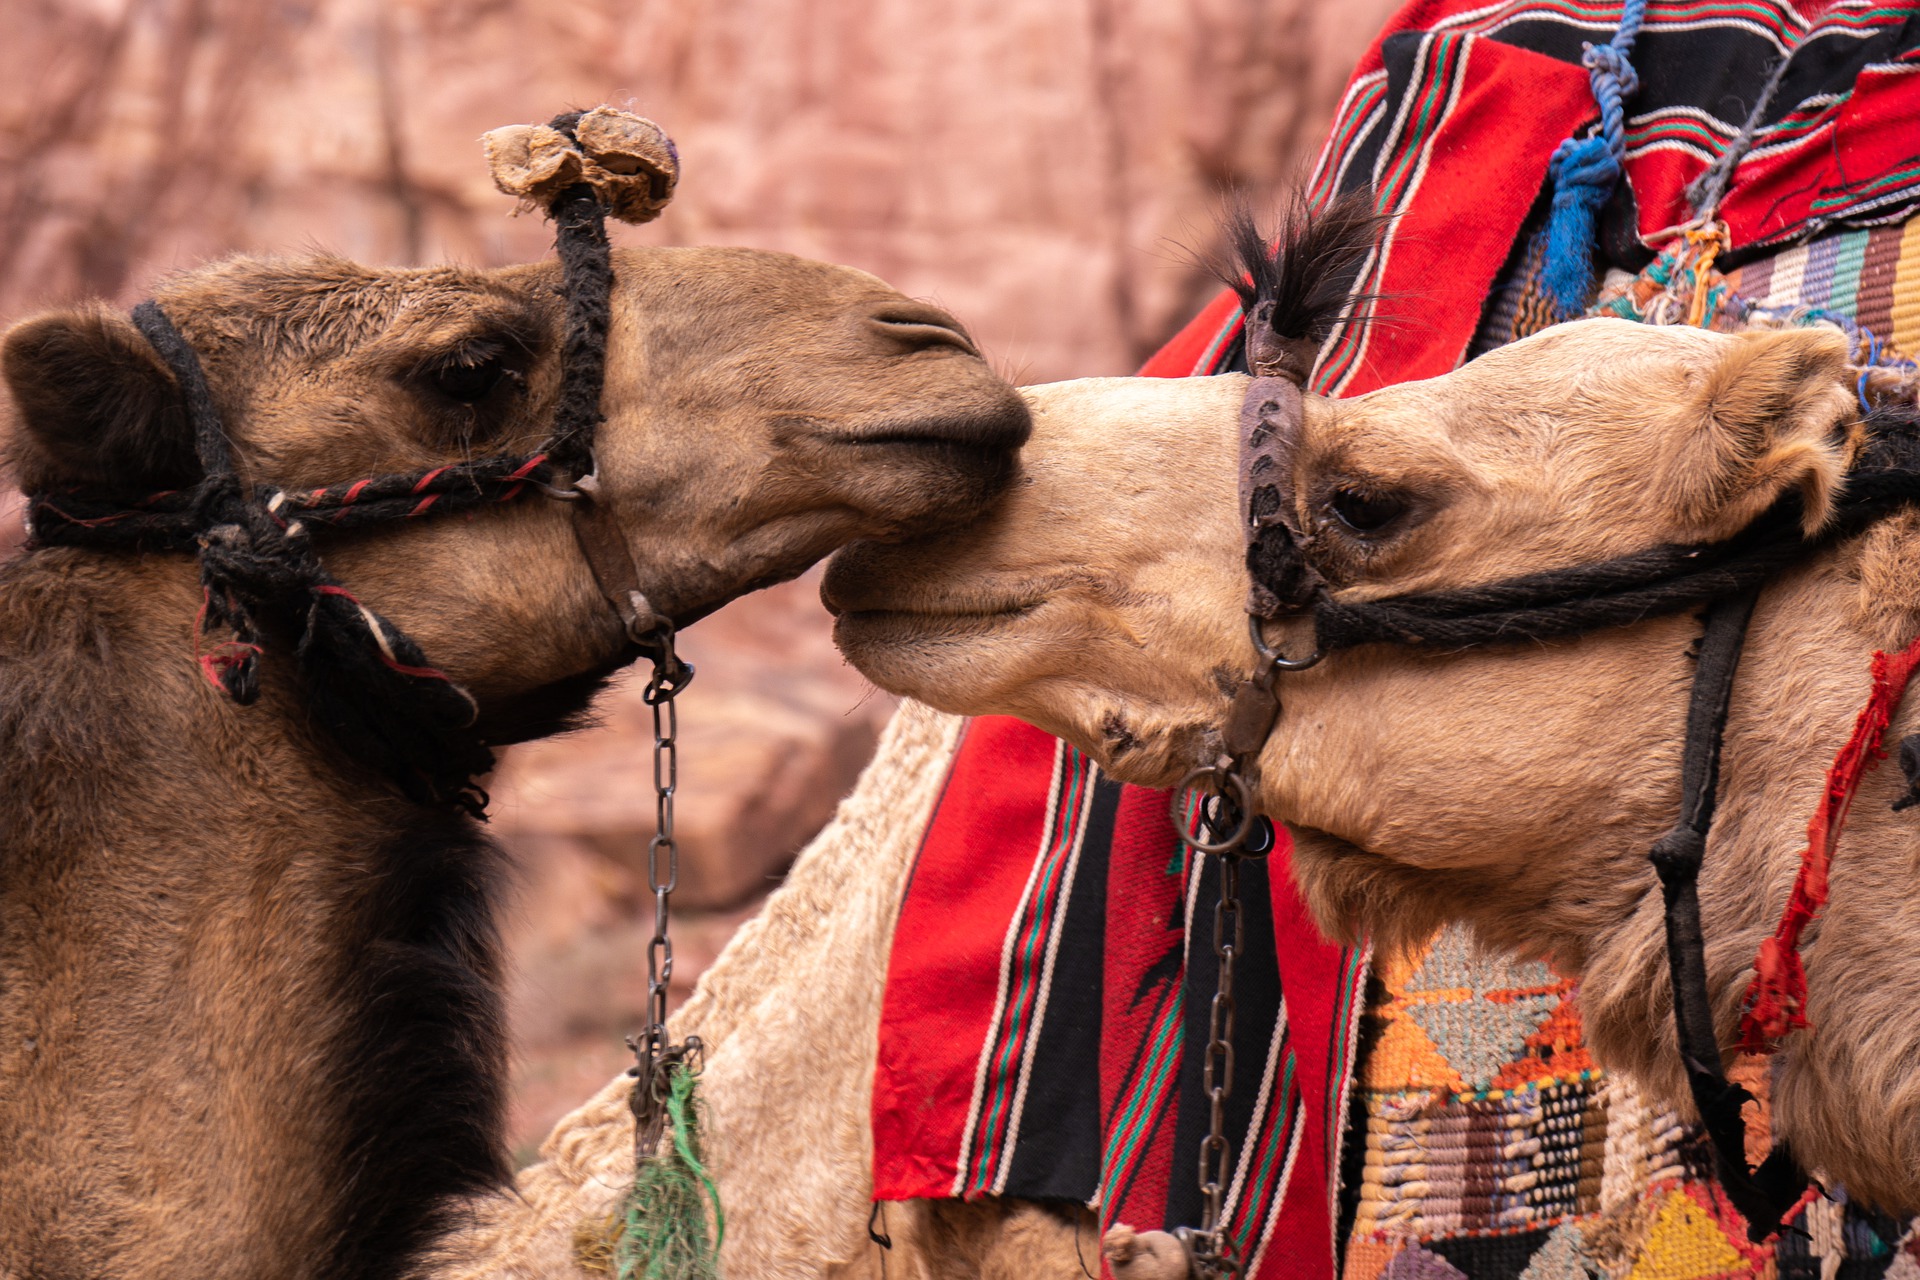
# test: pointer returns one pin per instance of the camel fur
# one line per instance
(1516, 789)
(250, 1013)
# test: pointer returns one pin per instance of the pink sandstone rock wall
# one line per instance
(1036, 164)
(1043, 167)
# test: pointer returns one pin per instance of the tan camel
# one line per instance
(1517, 789)
(249, 1010)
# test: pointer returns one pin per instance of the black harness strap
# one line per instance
(210, 444)
(586, 271)
(1562, 603)
(1558, 604)
(586, 268)
(1764, 1195)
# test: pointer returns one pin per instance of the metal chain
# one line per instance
(655, 1056)
(1216, 1072)
(1233, 833)
(1210, 1251)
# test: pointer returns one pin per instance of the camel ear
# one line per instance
(1776, 414)
(94, 405)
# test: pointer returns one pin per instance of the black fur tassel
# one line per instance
(1295, 285)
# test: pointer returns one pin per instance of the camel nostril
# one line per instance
(920, 328)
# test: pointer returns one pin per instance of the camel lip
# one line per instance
(875, 639)
(995, 429)
(983, 617)
(870, 581)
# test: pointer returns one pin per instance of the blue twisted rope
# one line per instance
(1584, 170)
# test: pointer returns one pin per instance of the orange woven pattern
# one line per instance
(1491, 1146)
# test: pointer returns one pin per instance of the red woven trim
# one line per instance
(1777, 999)
(221, 663)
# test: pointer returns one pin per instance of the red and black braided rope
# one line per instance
(170, 520)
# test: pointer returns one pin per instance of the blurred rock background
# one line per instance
(1045, 168)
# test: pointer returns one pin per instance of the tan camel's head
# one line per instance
(1103, 598)
(1515, 788)
(761, 410)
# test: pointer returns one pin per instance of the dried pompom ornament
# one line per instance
(628, 160)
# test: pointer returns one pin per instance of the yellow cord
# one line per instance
(1707, 241)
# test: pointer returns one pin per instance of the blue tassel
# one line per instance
(1584, 170)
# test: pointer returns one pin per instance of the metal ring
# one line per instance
(668, 682)
(1269, 654)
(563, 495)
(1243, 796)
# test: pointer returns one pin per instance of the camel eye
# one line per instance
(1365, 512)
(468, 383)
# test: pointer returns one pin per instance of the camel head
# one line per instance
(760, 411)
(307, 948)
(1515, 789)
(1104, 598)
(1512, 788)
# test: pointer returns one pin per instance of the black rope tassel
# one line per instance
(586, 270)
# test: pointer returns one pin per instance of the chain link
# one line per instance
(1231, 833)
(663, 862)
(1216, 1072)
(655, 1055)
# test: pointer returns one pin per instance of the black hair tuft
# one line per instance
(1295, 285)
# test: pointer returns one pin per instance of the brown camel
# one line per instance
(1513, 788)
(249, 1009)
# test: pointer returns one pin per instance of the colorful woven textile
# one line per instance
(1483, 1142)
(1478, 1138)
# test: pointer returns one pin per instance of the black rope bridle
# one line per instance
(367, 683)
(1725, 578)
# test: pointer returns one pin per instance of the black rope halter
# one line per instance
(368, 684)
(1724, 577)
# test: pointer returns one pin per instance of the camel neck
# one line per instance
(277, 981)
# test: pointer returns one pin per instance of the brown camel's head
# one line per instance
(760, 410)
(309, 954)
(1103, 598)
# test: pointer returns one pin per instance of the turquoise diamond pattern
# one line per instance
(1478, 1036)
(1562, 1257)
